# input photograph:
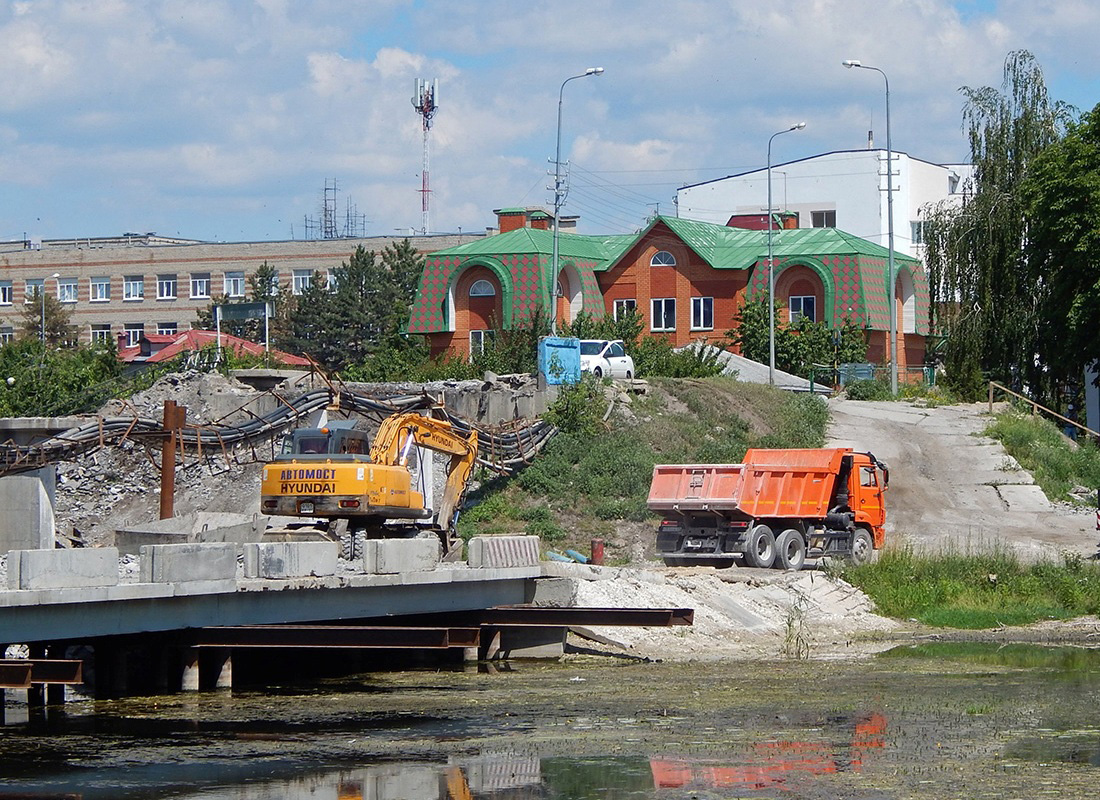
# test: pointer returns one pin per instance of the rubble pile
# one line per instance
(117, 487)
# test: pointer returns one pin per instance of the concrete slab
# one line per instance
(503, 551)
(391, 556)
(280, 560)
(1024, 498)
(183, 563)
(28, 519)
(61, 569)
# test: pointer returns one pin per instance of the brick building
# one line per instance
(137, 285)
(687, 279)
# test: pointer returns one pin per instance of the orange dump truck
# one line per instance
(778, 508)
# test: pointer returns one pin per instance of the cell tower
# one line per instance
(424, 101)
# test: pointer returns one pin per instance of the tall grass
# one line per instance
(977, 590)
(1057, 464)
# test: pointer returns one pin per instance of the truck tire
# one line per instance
(862, 548)
(760, 547)
(790, 550)
(675, 561)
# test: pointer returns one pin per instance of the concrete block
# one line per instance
(503, 551)
(179, 563)
(62, 569)
(392, 556)
(28, 519)
(280, 560)
(553, 592)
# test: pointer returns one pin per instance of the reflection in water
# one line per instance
(975, 722)
(769, 765)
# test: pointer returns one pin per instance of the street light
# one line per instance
(771, 262)
(559, 197)
(42, 331)
(890, 229)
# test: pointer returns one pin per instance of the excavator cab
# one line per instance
(330, 441)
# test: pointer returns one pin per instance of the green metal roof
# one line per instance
(526, 241)
(721, 247)
(736, 248)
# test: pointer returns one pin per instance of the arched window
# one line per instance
(482, 288)
(662, 258)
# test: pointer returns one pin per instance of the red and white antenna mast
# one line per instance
(424, 101)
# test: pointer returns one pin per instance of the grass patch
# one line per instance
(977, 590)
(1057, 464)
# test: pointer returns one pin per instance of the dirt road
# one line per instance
(950, 486)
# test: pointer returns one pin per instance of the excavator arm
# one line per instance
(399, 433)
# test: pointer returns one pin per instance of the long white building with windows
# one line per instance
(120, 288)
(845, 189)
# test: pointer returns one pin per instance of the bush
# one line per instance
(877, 389)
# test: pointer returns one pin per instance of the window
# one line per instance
(330, 280)
(200, 285)
(5, 293)
(301, 280)
(166, 328)
(479, 340)
(133, 288)
(662, 258)
(234, 284)
(867, 476)
(625, 307)
(702, 313)
(166, 287)
(664, 314)
(482, 288)
(802, 307)
(100, 289)
(66, 290)
(823, 219)
(7, 334)
(101, 333)
(133, 331)
(916, 229)
(34, 286)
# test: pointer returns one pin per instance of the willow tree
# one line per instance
(985, 296)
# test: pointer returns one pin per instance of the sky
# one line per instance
(224, 120)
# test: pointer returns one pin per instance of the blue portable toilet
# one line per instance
(560, 359)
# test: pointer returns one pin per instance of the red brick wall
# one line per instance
(635, 279)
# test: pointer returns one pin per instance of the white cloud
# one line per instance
(232, 114)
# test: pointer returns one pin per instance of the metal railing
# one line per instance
(1036, 407)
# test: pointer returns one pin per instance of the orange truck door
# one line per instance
(870, 508)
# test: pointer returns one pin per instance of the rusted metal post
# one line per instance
(597, 552)
(174, 418)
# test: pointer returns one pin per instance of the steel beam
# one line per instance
(39, 670)
(327, 636)
(529, 616)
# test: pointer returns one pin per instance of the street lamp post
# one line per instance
(42, 326)
(889, 229)
(771, 262)
(559, 197)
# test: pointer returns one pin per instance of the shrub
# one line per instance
(877, 389)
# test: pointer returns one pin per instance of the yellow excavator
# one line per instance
(334, 473)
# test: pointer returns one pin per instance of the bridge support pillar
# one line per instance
(189, 681)
(224, 661)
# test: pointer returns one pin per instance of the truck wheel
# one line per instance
(674, 561)
(790, 550)
(862, 548)
(760, 547)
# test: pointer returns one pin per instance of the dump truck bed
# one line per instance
(770, 483)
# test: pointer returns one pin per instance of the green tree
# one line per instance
(59, 330)
(1062, 195)
(46, 381)
(364, 313)
(984, 294)
(800, 346)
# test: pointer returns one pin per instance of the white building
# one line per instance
(845, 189)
